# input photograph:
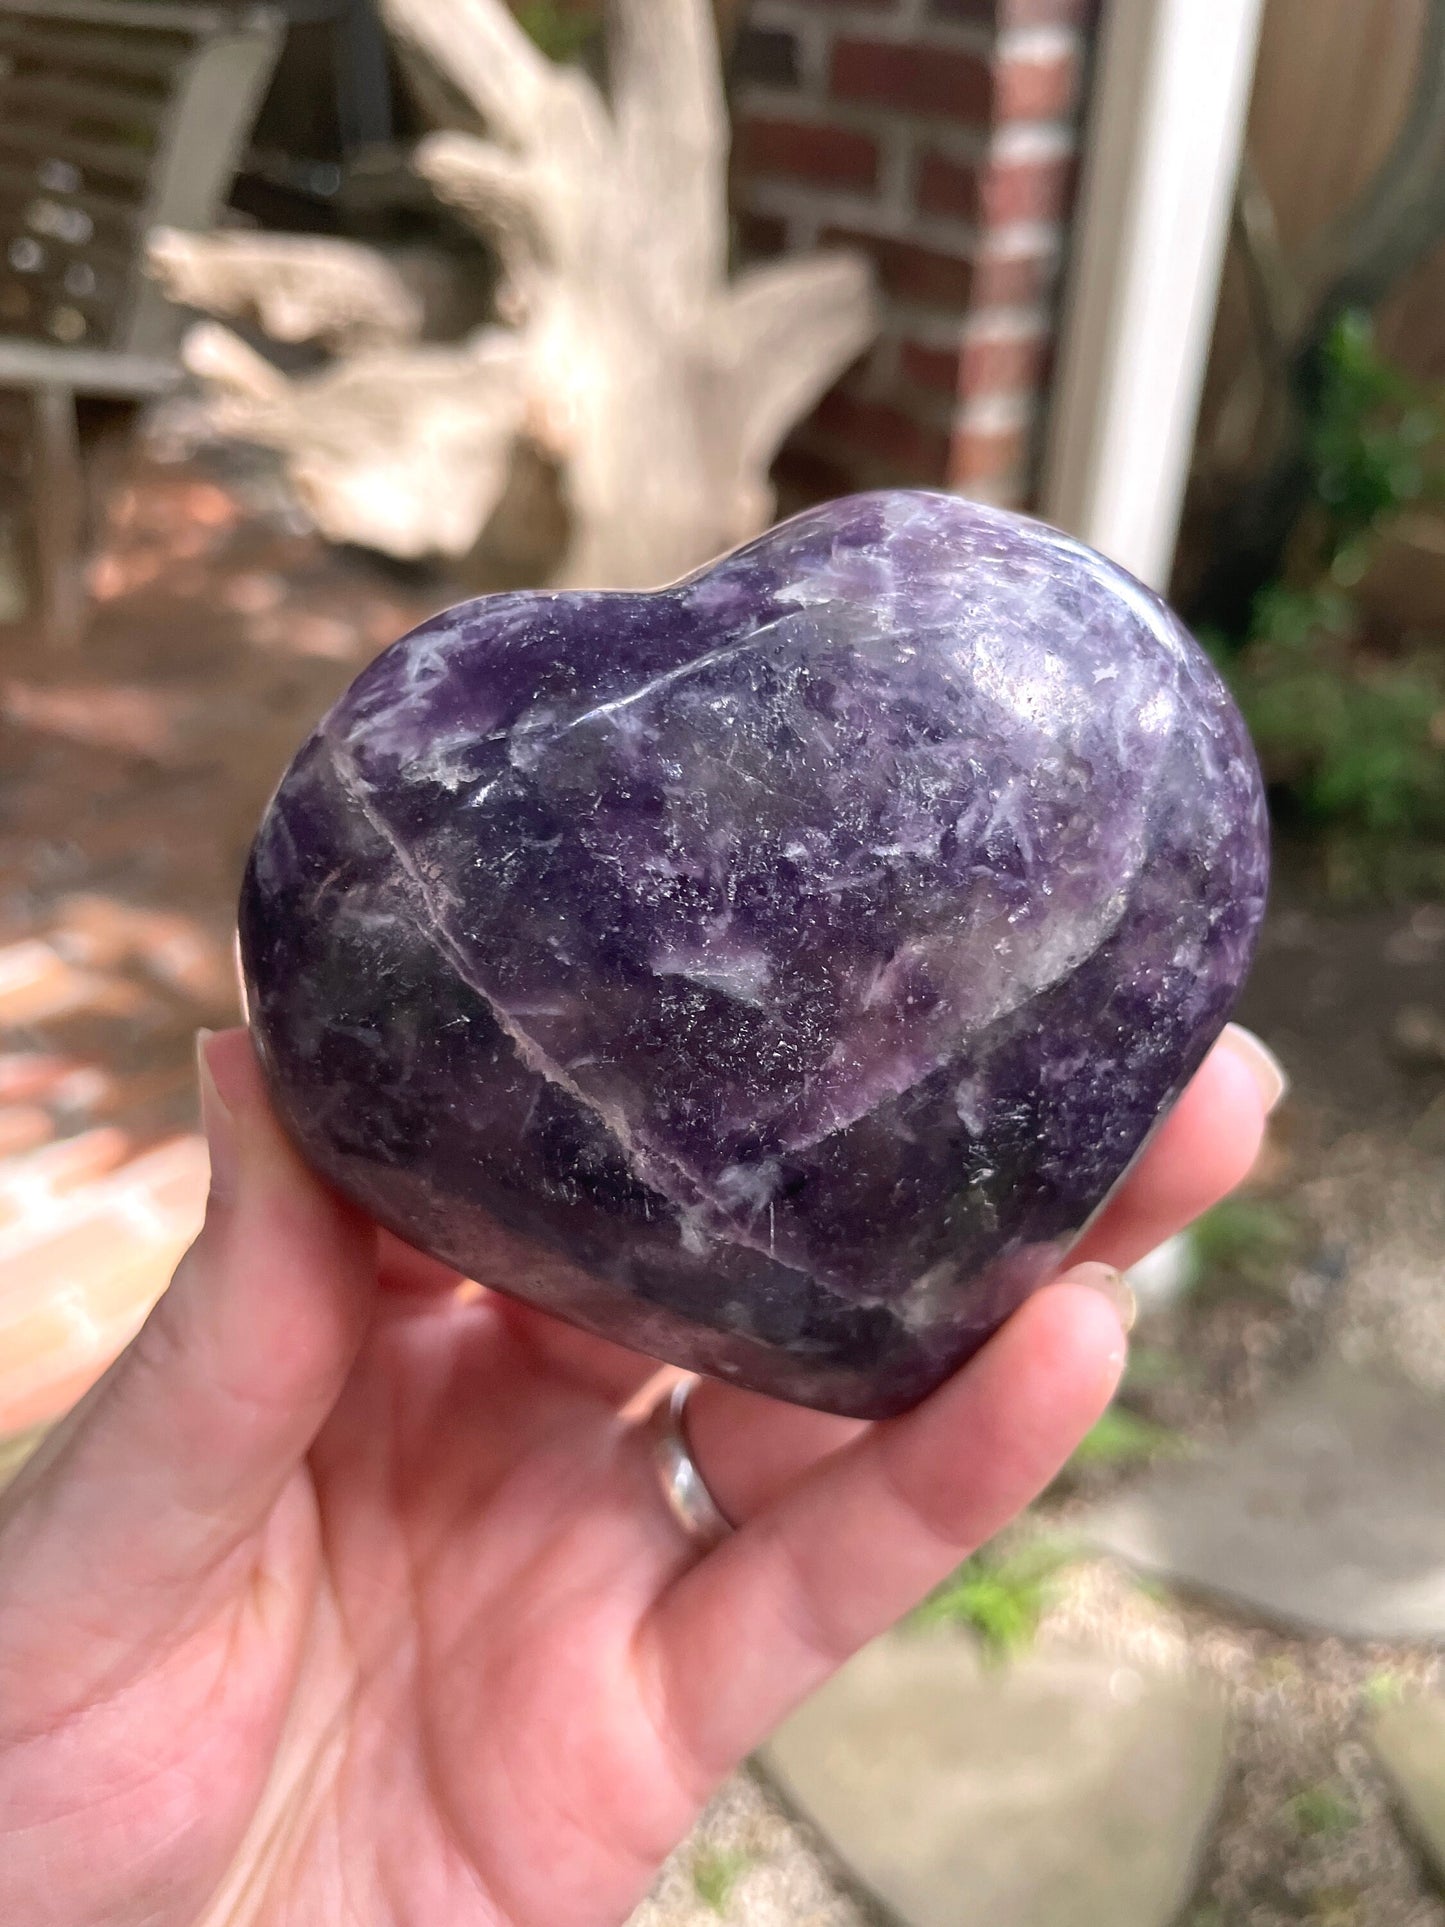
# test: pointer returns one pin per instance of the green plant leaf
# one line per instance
(1351, 733)
(1383, 1689)
(1244, 1232)
(563, 32)
(999, 1596)
(1321, 1811)
(1122, 1437)
(1150, 1366)
(715, 1872)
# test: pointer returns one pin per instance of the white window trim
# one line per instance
(1170, 101)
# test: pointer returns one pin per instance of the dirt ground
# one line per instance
(132, 771)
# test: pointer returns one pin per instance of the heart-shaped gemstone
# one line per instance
(775, 971)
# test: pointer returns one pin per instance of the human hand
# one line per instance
(347, 1595)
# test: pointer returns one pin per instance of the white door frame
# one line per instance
(1166, 127)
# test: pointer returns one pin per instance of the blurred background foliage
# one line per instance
(1347, 705)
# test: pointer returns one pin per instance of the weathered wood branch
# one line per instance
(239, 378)
(495, 189)
(525, 99)
(785, 333)
(518, 204)
(296, 287)
(670, 115)
(405, 450)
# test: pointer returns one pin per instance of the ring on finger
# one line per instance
(684, 1488)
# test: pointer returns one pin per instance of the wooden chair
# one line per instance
(116, 116)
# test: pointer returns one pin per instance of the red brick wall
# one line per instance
(940, 136)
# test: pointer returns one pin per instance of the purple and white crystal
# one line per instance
(775, 971)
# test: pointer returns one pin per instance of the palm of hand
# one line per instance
(415, 1691)
(338, 1601)
(480, 1740)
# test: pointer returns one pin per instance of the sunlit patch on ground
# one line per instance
(132, 772)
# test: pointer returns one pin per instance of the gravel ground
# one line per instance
(748, 1862)
(1305, 1831)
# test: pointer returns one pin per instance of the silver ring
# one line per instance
(683, 1486)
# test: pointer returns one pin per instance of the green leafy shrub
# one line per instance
(1245, 1242)
(1349, 721)
(1356, 737)
(1377, 446)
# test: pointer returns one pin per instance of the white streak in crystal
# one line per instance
(748, 1187)
(701, 1216)
(543, 723)
(918, 1308)
(528, 1049)
(742, 974)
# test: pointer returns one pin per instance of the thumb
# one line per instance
(182, 1449)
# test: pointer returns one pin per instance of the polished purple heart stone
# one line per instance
(772, 972)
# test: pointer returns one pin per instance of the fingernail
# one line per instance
(1113, 1285)
(1264, 1066)
(217, 1123)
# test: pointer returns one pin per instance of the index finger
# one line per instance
(845, 1549)
(1206, 1146)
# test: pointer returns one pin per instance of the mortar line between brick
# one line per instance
(937, 234)
(894, 29)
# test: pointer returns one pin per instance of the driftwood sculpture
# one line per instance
(658, 386)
